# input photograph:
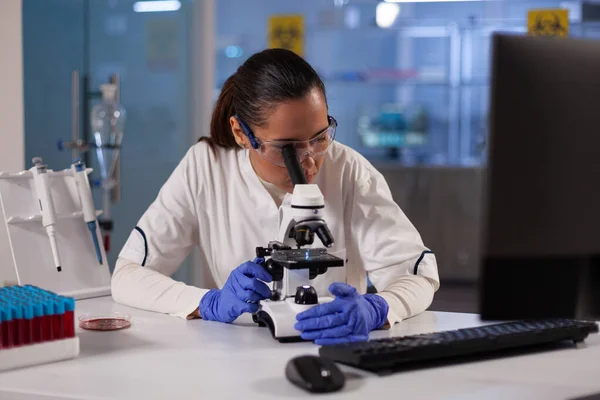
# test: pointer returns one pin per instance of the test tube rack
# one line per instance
(36, 327)
(25, 252)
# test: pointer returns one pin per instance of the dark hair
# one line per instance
(265, 80)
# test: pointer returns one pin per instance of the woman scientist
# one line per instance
(224, 198)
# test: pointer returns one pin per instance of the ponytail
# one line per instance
(220, 128)
(264, 81)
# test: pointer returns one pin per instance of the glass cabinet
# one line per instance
(475, 81)
(393, 92)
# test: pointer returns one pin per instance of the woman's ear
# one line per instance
(238, 133)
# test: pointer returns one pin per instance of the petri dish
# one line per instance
(112, 321)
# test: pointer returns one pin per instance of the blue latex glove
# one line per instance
(348, 318)
(241, 293)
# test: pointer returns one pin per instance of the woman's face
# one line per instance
(298, 120)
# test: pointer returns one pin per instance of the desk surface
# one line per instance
(164, 357)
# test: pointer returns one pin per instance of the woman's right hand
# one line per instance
(241, 293)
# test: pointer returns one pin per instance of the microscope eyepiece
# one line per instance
(292, 163)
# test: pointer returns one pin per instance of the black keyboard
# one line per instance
(400, 353)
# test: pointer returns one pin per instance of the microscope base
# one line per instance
(280, 317)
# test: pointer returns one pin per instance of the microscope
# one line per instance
(290, 263)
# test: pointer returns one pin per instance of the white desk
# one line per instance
(162, 357)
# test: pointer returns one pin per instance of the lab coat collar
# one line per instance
(259, 194)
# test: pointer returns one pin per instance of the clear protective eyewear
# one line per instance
(271, 150)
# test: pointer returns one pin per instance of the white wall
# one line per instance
(11, 96)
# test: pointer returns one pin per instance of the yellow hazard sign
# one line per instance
(287, 32)
(548, 22)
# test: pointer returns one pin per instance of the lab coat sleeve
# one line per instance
(162, 239)
(390, 249)
(407, 296)
(148, 289)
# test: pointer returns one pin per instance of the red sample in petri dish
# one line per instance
(105, 322)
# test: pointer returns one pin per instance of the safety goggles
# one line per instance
(271, 150)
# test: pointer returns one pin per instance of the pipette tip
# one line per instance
(92, 228)
(59, 268)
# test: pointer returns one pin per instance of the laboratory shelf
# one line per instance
(27, 174)
(14, 220)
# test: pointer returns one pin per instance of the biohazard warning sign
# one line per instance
(287, 32)
(550, 22)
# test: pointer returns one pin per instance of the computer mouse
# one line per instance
(315, 374)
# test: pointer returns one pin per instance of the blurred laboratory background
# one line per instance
(408, 83)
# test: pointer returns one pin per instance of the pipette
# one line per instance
(42, 188)
(87, 203)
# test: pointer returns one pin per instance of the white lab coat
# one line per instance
(215, 200)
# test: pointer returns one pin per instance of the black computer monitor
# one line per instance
(541, 224)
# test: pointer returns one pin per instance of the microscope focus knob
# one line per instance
(274, 269)
(306, 295)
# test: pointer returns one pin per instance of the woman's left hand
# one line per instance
(348, 318)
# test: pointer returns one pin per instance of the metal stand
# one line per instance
(80, 146)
